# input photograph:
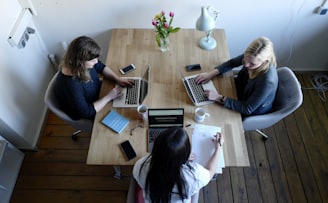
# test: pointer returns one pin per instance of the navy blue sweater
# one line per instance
(76, 97)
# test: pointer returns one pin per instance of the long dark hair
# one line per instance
(171, 150)
(79, 51)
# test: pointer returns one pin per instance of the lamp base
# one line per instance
(207, 43)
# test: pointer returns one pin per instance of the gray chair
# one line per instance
(84, 125)
(288, 98)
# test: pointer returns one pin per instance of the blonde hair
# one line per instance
(262, 49)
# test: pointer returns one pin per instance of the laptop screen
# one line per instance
(144, 85)
(165, 117)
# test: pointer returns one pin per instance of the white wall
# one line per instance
(300, 36)
(24, 75)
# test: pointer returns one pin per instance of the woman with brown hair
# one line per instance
(78, 85)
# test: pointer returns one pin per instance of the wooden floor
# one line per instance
(291, 166)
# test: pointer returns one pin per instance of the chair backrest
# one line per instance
(288, 98)
(50, 99)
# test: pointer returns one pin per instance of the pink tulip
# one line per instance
(171, 14)
(166, 25)
(163, 13)
(154, 22)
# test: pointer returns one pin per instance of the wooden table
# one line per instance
(138, 46)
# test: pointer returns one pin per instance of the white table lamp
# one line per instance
(206, 23)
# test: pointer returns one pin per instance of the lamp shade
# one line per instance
(205, 22)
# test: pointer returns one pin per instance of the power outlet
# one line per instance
(20, 28)
(321, 10)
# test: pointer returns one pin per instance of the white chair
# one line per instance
(288, 98)
(84, 125)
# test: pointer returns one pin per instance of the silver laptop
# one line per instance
(160, 120)
(134, 96)
(196, 91)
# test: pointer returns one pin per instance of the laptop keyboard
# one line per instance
(132, 93)
(154, 133)
(198, 90)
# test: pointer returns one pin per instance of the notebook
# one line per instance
(160, 120)
(196, 91)
(203, 146)
(115, 121)
(135, 95)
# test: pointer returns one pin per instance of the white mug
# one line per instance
(142, 112)
(200, 115)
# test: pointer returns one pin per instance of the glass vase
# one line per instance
(165, 44)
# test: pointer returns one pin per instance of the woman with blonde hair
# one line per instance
(256, 82)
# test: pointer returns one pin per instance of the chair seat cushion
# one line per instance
(139, 195)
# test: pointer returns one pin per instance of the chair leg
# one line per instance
(75, 134)
(264, 136)
(117, 173)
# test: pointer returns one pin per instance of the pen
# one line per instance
(219, 141)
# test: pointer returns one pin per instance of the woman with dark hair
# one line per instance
(78, 85)
(168, 174)
(256, 82)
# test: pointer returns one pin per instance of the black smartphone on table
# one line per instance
(193, 67)
(128, 150)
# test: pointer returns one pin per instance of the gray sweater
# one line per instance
(255, 96)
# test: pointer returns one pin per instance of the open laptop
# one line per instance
(160, 120)
(134, 96)
(196, 91)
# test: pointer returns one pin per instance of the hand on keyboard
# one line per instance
(125, 82)
(204, 78)
(115, 92)
(212, 95)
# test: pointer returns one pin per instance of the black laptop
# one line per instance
(160, 120)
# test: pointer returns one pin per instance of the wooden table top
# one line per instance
(138, 46)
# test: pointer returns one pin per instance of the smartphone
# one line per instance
(127, 69)
(193, 67)
(128, 150)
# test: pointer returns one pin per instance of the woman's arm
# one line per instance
(218, 70)
(109, 74)
(230, 64)
(214, 160)
(113, 94)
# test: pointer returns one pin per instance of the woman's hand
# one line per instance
(125, 82)
(204, 78)
(213, 95)
(218, 140)
(192, 157)
(115, 92)
(214, 160)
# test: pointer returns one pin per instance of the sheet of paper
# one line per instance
(203, 146)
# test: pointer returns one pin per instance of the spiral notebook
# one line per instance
(115, 121)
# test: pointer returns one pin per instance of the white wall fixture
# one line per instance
(28, 5)
(19, 34)
(322, 10)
